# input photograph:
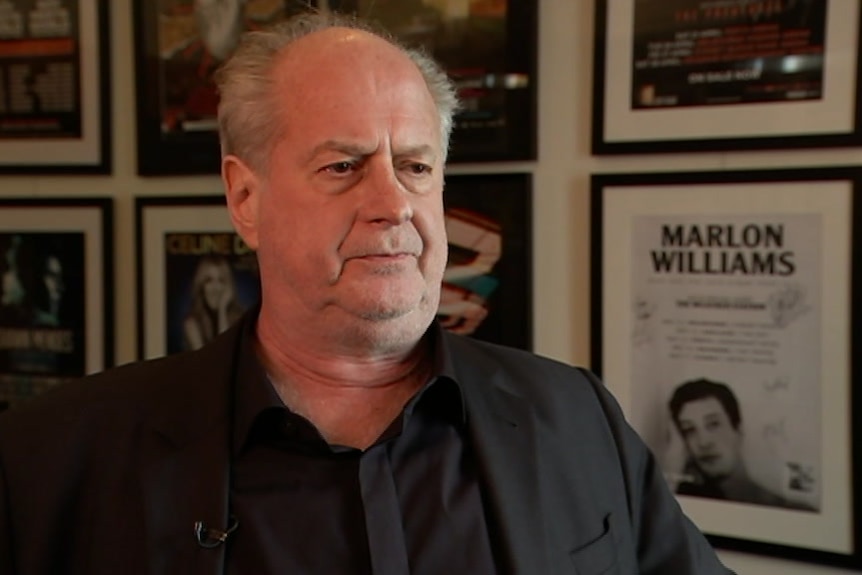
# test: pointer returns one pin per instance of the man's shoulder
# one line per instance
(512, 359)
(524, 373)
(125, 393)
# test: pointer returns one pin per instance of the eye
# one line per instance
(339, 167)
(418, 169)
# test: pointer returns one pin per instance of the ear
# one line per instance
(242, 190)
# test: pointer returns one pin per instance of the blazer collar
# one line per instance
(185, 455)
(502, 429)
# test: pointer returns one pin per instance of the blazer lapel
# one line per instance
(185, 464)
(502, 429)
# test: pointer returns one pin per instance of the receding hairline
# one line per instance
(358, 38)
(286, 58)
(263, 53)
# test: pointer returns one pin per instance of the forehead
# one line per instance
(341, 72)
(701, 409)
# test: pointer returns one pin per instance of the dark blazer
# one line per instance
(108, 475)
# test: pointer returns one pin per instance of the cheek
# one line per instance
(301, 241)
(431, 225)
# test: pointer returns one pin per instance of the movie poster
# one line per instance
(210, 280)
(40, 69)
(726, 354)
(708, 52)
(42, 312)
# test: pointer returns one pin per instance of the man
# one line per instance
(337, 429)
(706, 414)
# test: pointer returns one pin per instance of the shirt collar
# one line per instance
(254, 394)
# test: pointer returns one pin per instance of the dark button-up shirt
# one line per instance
(409, 504)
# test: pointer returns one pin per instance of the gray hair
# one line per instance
(244, 82)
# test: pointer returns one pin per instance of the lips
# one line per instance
(708, 459)
(382, 256)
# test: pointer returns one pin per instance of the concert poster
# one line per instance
(211, 278)
(723, 328)
(54, 87)
(731, 299)
(40, 72)
(42, 312)
(724, 75)
(707, 53)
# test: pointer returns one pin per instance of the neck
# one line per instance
(734, 483)
(350, 397)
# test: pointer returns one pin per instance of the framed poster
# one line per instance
(724, 321)
(56, 296)
(693, 75)
(487, 286)
(55, 104)
(489, 49)
(195, 274)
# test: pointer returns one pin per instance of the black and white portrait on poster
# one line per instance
(726, 350)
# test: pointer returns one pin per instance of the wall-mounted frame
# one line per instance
(56, 307)
(55, 103)
(195, 275)
(487, 287)
(489, 51)
(689, 76)
(746, 279)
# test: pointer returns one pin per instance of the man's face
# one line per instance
(710, 438)
(351, 234)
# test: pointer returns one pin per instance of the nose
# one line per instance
(385, 199)
(704, 442)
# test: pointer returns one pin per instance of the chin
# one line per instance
(392, 330)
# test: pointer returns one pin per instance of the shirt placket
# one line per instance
(386, 543)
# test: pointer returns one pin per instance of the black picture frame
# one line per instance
(173, 235)
(647, 101)
(65, 129)
(496, 81)
(634, 218)
(55, 251)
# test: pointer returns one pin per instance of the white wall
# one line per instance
(561, 195)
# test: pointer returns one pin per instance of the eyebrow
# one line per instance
(353, 149)
(418, 150)
(349, 148)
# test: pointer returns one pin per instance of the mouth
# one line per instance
(384, 256)
(708, 459)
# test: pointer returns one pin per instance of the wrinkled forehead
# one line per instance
(340, 60)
